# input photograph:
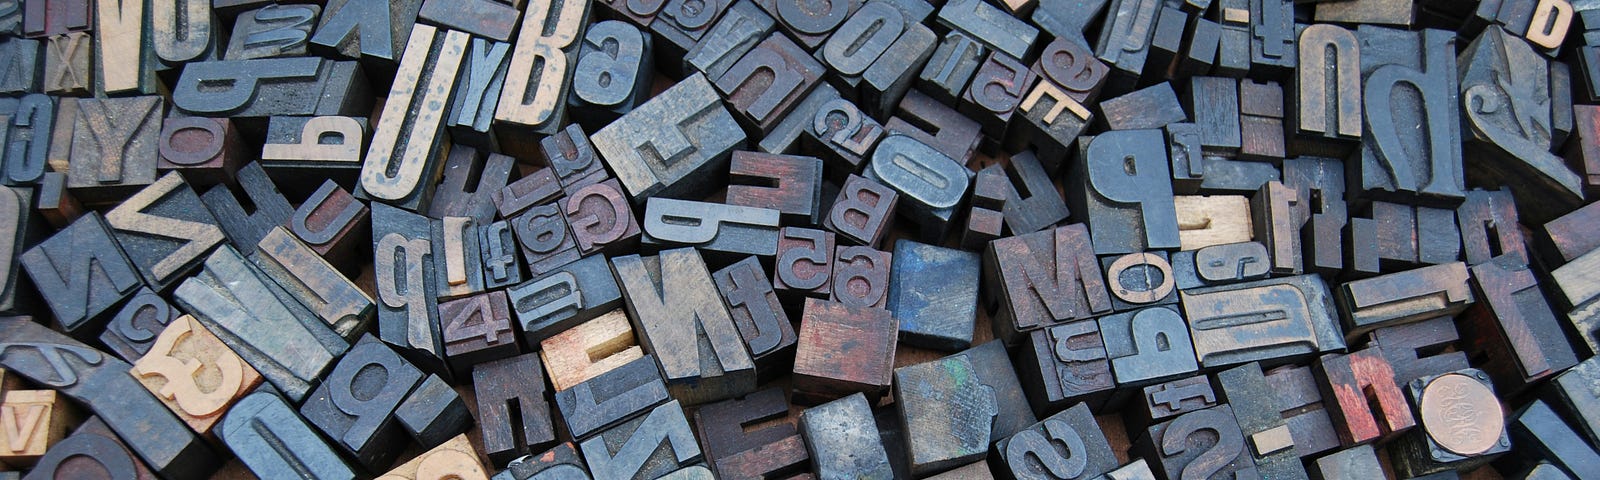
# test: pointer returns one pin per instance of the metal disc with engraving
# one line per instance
(1461, 414)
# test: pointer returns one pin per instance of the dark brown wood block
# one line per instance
(861, 276)
(477, 329)
(613, 397)
(790, 184)
(761, 319)
(546, 242)
(331, 222)
(601, 219)
(573, 159)
(1420, 349)
(843, 350)
(995, 92)
(768, 82)
(1396, 163)
(1512, 332)
(1362, 397)
(1064, 364)
(206, 150)
(267, 207)
(506, 390)
(1327, 120)
(1403, 297)
(742, 439)
(683, 322)
(114, 147)
(456, 197)
(1043, 278)
(862, 211)
(1198, 445)
(1271, 321)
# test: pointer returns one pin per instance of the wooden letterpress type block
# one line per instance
(406, 278)
(1276, 219)
(269, 209)
(1581, 153)
(1513, 329)
(535, 100)
(266, 87)
(1124, 41)
(1134, 345)
(66, 64)
(502, 265)
(114, 145)
(573, 158)
(102, 384)
(612, 74)
(433, 412)
(1462, 425)
(1300, 401)
(761, 319)
(639, 12)
(403, 160)
(937, 124)
(130, 333)
(454, 459)
(20, 230)
(768, 81)
(681, 27)
(1065, 363)
(1068, 63)
(1382, 12)
(646, 447)
(1220, 265)
(1326, 120)
(471, 117)
(993, 368)
(843, 349)
(329, 146)
(952, 65)
(790, 184)
(1355, 384)
(486, 18)
(1511, 145)
(670, 145)
(1206, 220)
(36, 421)
(455, 197)
(985, 218)
(1149, 108)
(271, 439)
(804, 264)
(837, 131)
(843, 440)
(1261, 120)
(683, 322)
(81, 273)
(372, 31)
(1188, 164)
(271, 331)
(1538, 429)
(567, 296)
(720, 231)
(1068, 445)
(1044, 278)
(1266, 320)
(1396, 163)
(1233, 45)
(1570, 393)
(1268, 439)
(1127, 210)
(1198, 445)
(1355, 462)
(741, 26)
(862, 211)
(457, 258)
(546, 242)
(124, 58)
(1167, 43)
(1320, 211)
(1214, 103)
(537, 188)
(477, 329)
(1272, 39)
(944, 396)
(589, 349)
(861, 276)
(561, 460)
(92, 452)
(21, 71)
(930, 184)
(1166, 400)
(185, 31)
(810, 25)
(1051, 128)
(28, 139)
(53, 17)
(331, 221)
(1571, 236)
(933, 292)
(169, 370)
(1403, 297)
(206, 150)
(507, 389)
(356, 404)
(996, 90)
(1420, 349)
(605, 401)
(987, 24)
(735, 445)
(272, 31)
(1139, 279)
(887, 81)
